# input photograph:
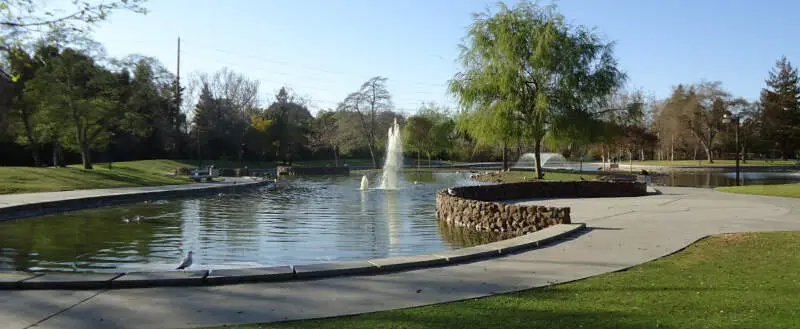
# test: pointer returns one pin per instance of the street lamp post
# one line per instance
(735, 119)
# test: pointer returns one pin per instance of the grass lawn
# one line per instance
(705, 163)
(785, 190)
(524, 176)
(729, 281)
(122, 174)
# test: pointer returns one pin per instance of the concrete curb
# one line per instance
(67, 281)
(49, 207)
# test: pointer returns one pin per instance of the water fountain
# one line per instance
(394, 158)
(549, 160)
(364, 183)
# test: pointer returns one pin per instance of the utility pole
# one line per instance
(178, 78)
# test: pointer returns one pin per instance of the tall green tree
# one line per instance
(290, 124)
(75, 92)
(525, 66)
(781, 108)
(22, 111)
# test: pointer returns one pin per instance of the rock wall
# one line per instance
(474, 207)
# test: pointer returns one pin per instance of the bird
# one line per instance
(136, 219)
(186, 262)
(583, 179)
(451, 191)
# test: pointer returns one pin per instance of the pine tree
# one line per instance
(781, 112)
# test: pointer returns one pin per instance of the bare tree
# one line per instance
(368, 102)
(699, 109)
(236, 88)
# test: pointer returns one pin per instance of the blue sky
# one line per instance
(325, 49)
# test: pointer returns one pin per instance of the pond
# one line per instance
(295, 221)
(728, 178)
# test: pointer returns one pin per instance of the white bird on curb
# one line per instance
(451, 191)
(186, 262)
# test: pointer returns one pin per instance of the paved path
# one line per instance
(8, 200)
(623, 232)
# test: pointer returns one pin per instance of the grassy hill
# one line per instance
(122, 174)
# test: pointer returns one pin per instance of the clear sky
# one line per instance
(325, 49)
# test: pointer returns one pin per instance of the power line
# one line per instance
(316, 88)
(262, 59)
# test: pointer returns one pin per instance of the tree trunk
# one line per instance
(372, 154)
(744, 154)
(34, 145)
(505, 159)
(672, 148)
(335, 157)
(55, 155)
(708, 153)
(537, 150)
(86, 156)
(35, 154)
(630, 161)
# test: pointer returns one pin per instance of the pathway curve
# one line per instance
(622, 232)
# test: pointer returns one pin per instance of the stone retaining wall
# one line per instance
(474, 207)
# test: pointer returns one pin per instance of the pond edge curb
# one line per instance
(68, 281)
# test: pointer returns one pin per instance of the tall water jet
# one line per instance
(364, 183)
(394, 158)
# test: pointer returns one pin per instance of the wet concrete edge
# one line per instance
(526, 242)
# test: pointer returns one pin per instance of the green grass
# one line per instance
(705, 163)
(784, 190)
(728, 281)
(524, 176)
(122, 174)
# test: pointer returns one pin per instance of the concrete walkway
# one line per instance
(623, 232)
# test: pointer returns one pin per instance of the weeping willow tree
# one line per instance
(526, 72)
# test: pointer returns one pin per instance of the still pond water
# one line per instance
(296, 221)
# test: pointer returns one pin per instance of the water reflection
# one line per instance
(464, 237)
(716, 179)
(296, 221)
